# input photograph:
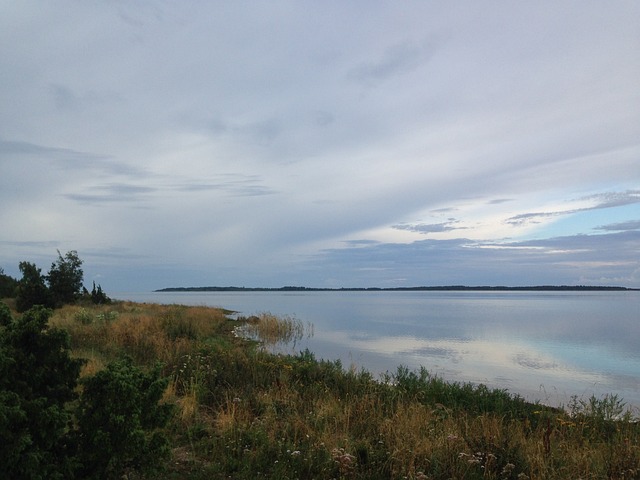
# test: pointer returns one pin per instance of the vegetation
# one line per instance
(110, 390)
(8, 285)
(50, 428)
(241, 412)
(62, 285)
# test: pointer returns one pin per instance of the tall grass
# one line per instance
(271, 330)
(246, 413)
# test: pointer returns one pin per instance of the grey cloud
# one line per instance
(322, 118)
(112, 193)
(622, 226)
(259, 131)
(44, 244)
(604, 200)
(430, 228)
(231, 184)
(25, 148)
(535, 217)
(360, 243)
(67, 99)
(614, 199)
(67, 158)
(444, 210)
(395, 60)
(561, 260)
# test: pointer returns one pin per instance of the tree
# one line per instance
(98, 296)
(32, 289)
(7, 285)
(38, 378)
(65, 278)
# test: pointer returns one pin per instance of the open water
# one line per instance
(546, 346)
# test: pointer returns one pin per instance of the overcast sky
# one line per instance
(322, 143)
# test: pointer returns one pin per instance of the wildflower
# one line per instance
(508, 468)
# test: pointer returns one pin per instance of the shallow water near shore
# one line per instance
(546, 346)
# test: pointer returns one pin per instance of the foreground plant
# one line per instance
(48, 431)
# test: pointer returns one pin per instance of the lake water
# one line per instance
(546, 346)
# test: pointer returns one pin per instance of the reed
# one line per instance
(271, 330)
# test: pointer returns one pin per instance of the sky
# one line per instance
(322, 144)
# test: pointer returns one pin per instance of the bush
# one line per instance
(115, 429)
(119, 421)
(37, 379)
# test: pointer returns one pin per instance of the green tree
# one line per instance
(7, 285)
(37, 379)
(98, 296)
(119, 420)
(32, 289)
(65, 278)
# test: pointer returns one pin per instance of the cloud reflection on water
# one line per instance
(521, 367)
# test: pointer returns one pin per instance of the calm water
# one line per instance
(545, 346)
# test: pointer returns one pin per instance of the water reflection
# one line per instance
(545, 346)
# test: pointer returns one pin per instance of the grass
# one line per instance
(245, 413)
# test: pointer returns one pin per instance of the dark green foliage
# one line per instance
(119, 420)
(37, 379)
(426, 388)
(116, 427)
(62, 285)
(98, 297)
(65, 278)
(8, 285)
(32, 289)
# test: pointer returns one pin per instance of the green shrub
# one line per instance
(119, 421)
(37, 379)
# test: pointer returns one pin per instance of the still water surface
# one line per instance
(546, 346)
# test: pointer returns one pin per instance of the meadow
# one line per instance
(241, 412)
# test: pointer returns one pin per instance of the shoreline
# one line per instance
(444, 288)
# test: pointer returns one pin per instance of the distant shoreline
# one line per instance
(543, 288)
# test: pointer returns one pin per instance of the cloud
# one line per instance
(622, 226)
(318, 145)
(395, 60)
(598, 201)
(450, 225)
(563, 260)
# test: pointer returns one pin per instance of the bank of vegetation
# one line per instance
(107, 390)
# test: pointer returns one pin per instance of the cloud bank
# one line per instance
(318, 144)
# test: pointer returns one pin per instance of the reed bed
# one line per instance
(271, 330)
(242, 412)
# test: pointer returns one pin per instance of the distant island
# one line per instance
(549, 288)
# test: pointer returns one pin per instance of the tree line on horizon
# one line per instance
(397, 289)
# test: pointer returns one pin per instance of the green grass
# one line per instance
(242, 412)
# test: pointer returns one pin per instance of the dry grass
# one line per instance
(244, 413)
(271, 330)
